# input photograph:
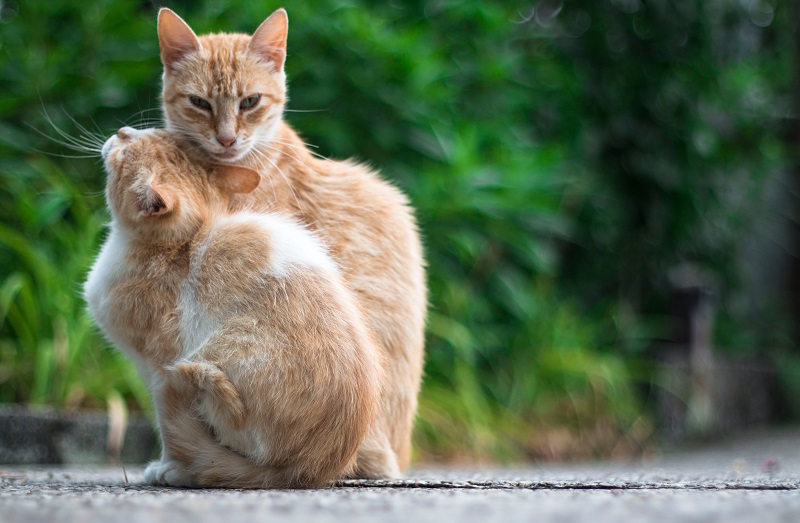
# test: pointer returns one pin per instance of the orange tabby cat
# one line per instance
(260, 368)
(225, 93)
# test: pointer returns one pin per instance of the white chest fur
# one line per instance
(109, 268)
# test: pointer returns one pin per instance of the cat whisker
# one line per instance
(143, 119)
(291, 144)
(295, 146)
(320, 156)
(262, 169)
(87, 142)
(91, 149)
(148, 110)
(66, 139)
(196, 148)
(70, 156)
(305, 110)
(302, 142)
(275, 149)
(194, 139)
(89, 136)
(99, 132)
(259, 156)
(143, 124)
(285, 178)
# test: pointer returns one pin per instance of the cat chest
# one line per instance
(135, 304)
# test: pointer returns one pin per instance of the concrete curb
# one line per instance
(48, 436)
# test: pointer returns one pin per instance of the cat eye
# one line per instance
(250, 102)
(199, 102)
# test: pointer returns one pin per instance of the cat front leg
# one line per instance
(375, 458)
(168, 473)
(173, 409)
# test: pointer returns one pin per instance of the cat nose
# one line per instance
(126, 133)
(226, 139)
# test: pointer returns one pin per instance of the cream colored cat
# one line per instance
(260, 368)
(225, 93)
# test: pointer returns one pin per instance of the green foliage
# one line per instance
(551, 393)
(682, 103)
(49, 353)
(562, 157)
(58, 62)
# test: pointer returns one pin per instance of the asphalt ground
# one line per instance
(754, 477)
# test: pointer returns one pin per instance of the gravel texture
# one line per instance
(752, 478)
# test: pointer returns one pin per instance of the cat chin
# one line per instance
(227, 157)
(107, 147)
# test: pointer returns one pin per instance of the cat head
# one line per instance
(154, 189)
(223, 92)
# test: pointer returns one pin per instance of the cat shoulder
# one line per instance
(280, 241)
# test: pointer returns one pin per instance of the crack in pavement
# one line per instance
(10, 486)
(567, 485)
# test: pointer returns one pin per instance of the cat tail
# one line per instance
(212, 465)
(208, 462)
(220, 392)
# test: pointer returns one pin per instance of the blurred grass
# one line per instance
(49, 352)
(562, 157)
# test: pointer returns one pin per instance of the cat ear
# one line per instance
(175, 38)
(269, 40)
(235, 179)
(155, 201)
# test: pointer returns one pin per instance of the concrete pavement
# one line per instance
(750, 478)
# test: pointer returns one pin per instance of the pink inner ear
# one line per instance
(157, 206)
(154, 204)
(269, 40)
(175, 38)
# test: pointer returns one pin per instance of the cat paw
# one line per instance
(167, 474)
(376, 464)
